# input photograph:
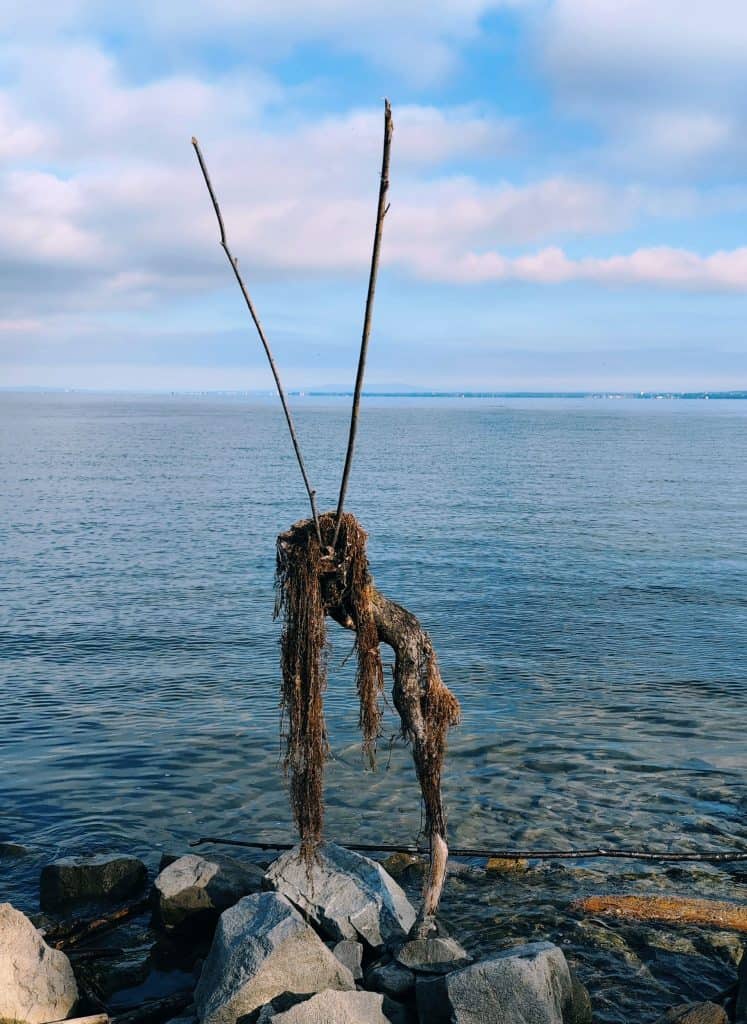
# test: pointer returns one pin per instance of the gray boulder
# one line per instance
(84, 879)
(350, 953)
(36, 983)
(262, 948)
(527, 985)
(346, 895)
(193, 891)
(332, 1007)
(391, 978)
(437, 955)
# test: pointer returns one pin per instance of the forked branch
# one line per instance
(262, 337)
(380, 215)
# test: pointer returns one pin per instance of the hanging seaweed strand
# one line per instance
(306, 580)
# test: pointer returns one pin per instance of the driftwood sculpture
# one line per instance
(322, 570)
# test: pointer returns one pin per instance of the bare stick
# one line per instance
(156, 1009)
(381, 213)
(69, 934)
(730, 856)
(260, 330)
(95, 1018)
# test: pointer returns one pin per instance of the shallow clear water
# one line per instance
(581, 566)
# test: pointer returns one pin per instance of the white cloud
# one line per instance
(417, 41)
(664, 82)
(658, 267)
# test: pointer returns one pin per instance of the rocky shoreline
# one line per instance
(216, 940)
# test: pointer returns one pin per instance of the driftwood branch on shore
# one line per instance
(156, 1009)
(69, 933)
(668, 909)
(594, 853)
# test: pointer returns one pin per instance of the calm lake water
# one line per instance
(581, 566)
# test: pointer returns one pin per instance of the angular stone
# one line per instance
(335, 1008)
(346, 895)
(262, 948)
(350, 953)
(193, 891)
(391, 978)
(695, 1013)
(84, 879)
(37, 983)
(438, 955)
(527, 985)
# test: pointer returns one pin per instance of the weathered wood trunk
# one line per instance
(332, 579)
(425, 705)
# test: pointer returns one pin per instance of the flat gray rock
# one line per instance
(87, 879)
(346, 895)
(334, 1008)
(37, 983)
(263, 948)
(194, 890)
(527, 985)
(437, 955)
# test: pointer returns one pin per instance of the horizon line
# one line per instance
(599, 393)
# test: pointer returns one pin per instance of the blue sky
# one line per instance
(568, 199)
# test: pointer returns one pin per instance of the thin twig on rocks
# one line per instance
(598, 852)
(156, 1009)
(70, 933)
(94, 1018)
(262, 337)
(381, 213)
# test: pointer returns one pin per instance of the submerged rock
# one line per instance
(37, 983)
(13, 850)
(85, 879)
(332, 1007)
(403, 865)
(527, 985)
(506, 865)
(695, 1013)
(192, 891)
(346, 895)
(262, 948)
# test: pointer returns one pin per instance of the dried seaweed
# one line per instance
(309, 578)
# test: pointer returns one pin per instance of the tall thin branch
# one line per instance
(380, 215)
(265, 344)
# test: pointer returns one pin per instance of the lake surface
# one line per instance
(580, 564)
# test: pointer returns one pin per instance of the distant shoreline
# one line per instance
(302, 393)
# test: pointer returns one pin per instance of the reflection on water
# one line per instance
(580, 565)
